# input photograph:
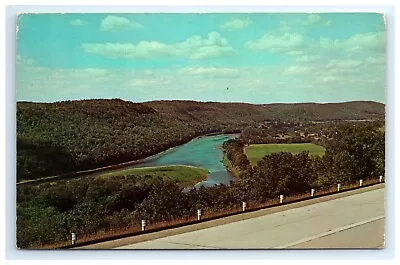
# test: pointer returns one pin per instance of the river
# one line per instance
(205, 152)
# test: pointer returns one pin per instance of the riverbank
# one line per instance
(111, 167)
(229, 167)
(186, 176)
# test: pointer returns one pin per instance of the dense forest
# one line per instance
(64, 137)
(50, 212)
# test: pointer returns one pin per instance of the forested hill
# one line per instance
(354, 110)
(62, 137)
(285, 112)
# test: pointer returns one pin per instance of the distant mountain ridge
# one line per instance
(62, 137)
(352, 110)
(286, 112)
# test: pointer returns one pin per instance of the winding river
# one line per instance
(205, 152)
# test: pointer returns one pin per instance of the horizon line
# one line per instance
(199, 101)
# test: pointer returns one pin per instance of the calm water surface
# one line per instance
(205, 152)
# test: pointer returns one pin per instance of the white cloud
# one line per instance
(212, 52)
(363, 42)
(376, 60)
(313, 19)
(344, 64)
(236, 24)
(277, 43)
(93, 71)
(211, 72)
(369, 41)
(194, 48)
(295, 52)
(307, 58)
(296, 70)
(114, 23)
(78, 22)
(293, 83)
(327, 79)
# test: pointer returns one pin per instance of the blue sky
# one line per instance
(262, 58)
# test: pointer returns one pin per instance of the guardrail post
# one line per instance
(244, 204)
(380, 178)
(144, 225)
(73, 238)
(198, 214)
(312, 192)
(281, 198)
(361, 182)
(338, 187)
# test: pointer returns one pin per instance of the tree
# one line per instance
(356, 152)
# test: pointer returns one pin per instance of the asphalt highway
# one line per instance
(355, 221)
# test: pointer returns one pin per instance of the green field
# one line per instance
(186, 175)
(255, 152)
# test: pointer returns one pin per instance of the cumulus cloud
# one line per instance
(371, 41)
(307, 58)
(194, 48)
(78, 22)
(313, 18)
(277, 43)
(93, 71)
(290, 83)
(327, 79)
(376, 60)
(296, 70)
(114, 23)
(211, 72)
(347, 63)
(236, 24)
(294, 52)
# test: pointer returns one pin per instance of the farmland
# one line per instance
(255, 152)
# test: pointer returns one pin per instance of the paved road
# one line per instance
(356, 221)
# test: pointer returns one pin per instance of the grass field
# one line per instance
(186, 175)
(255, 152)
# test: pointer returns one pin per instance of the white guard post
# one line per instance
(144, 225)
(198, 214)
(73, 238)
(281, 198)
